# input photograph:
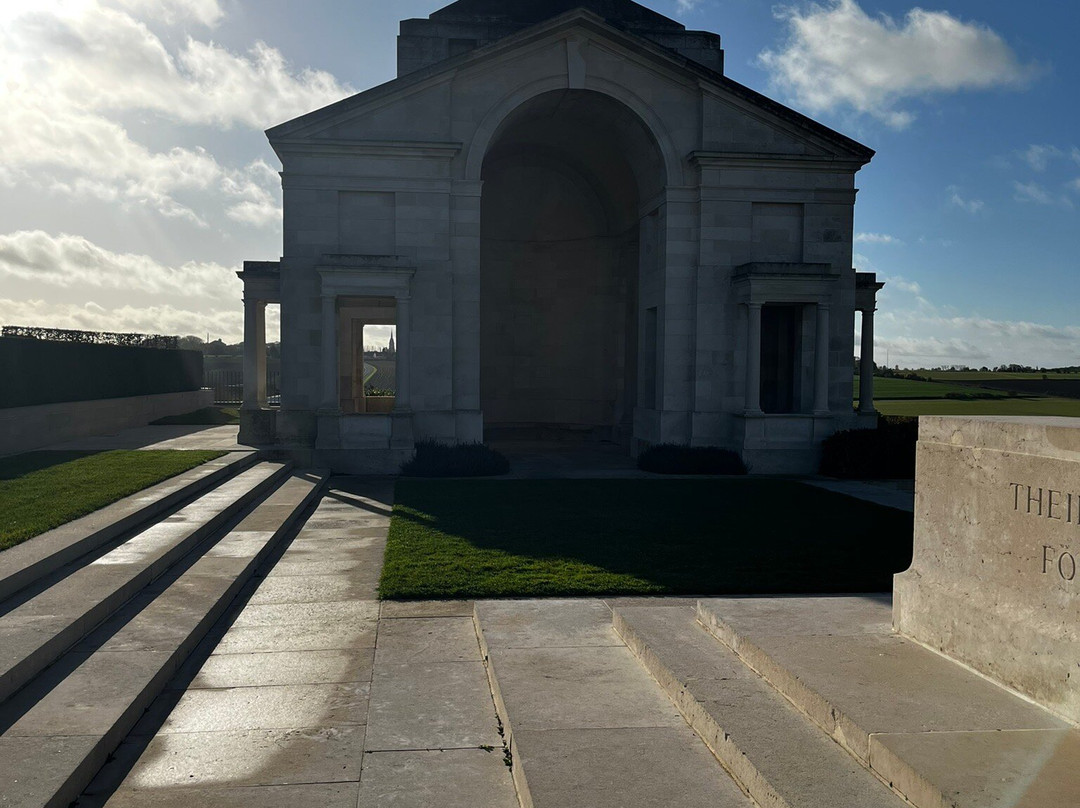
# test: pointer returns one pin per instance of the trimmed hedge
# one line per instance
(34, 372)
(433, 459)
(885, 453)
(672, 458)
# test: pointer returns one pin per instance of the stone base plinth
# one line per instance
(994, 580)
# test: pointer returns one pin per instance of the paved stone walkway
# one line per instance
(314, 697)
(214, 438)
(890, 493)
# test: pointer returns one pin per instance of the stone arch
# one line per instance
(500, 112)
(566, 175)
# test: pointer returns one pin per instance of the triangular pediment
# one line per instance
(414, 101)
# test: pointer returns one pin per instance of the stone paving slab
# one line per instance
(285, 668)
(342, 795)
(546, 623)
(427, 639)
(310, 589)
(426, 608)
(581, 687)
(307, 614)
(451, 778)
(249, 757)
(269, 707)
(649, 767)
(333, 634)
(440, 705)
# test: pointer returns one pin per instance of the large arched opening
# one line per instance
(568, 180)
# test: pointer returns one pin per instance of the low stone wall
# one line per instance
(995, 579)
(23, 429)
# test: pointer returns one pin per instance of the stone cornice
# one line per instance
(800, 162)
(369, 148)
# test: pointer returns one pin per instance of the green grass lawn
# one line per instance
(207, 416)
(43, 490)
(998, 406)
(503, 538)
(890, 388)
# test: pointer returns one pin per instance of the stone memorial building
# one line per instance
(580, 227)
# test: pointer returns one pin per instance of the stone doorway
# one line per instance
(567, 180)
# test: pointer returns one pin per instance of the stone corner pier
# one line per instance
(994, 580)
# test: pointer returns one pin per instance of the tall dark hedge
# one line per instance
(36, 372)
(887, 452)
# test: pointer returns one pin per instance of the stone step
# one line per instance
(37, 630)
(772, 750)
(937, 732)
(29, 562)
(585, 724)
(79, 712)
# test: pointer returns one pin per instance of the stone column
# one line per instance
(402, 401)
(254, 354)
(753, 359)
(866, 363)
(821, 362)
(329, 354)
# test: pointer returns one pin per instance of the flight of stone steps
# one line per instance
(803, 702)
(97, 616)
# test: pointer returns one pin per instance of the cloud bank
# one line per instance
(838, 56)
(70, 72)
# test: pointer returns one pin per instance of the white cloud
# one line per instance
(72, 261)
(837, 55)
(925, 336)
(899, 283)
(876, 238)
(1039, 156)
(226, 324)
(971, 206)
(206, 12)
(1032, 192)
(67, 70)
(686, 6)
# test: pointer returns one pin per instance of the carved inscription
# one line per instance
(1049, 503)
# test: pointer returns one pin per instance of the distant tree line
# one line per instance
(218, 347)
(896, 372)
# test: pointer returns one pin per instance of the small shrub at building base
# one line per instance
(433, 459)
(671, 458)
(885, 453)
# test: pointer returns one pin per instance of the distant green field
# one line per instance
(998, 406)
(887, 388)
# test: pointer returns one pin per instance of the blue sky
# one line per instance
(134, 175)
